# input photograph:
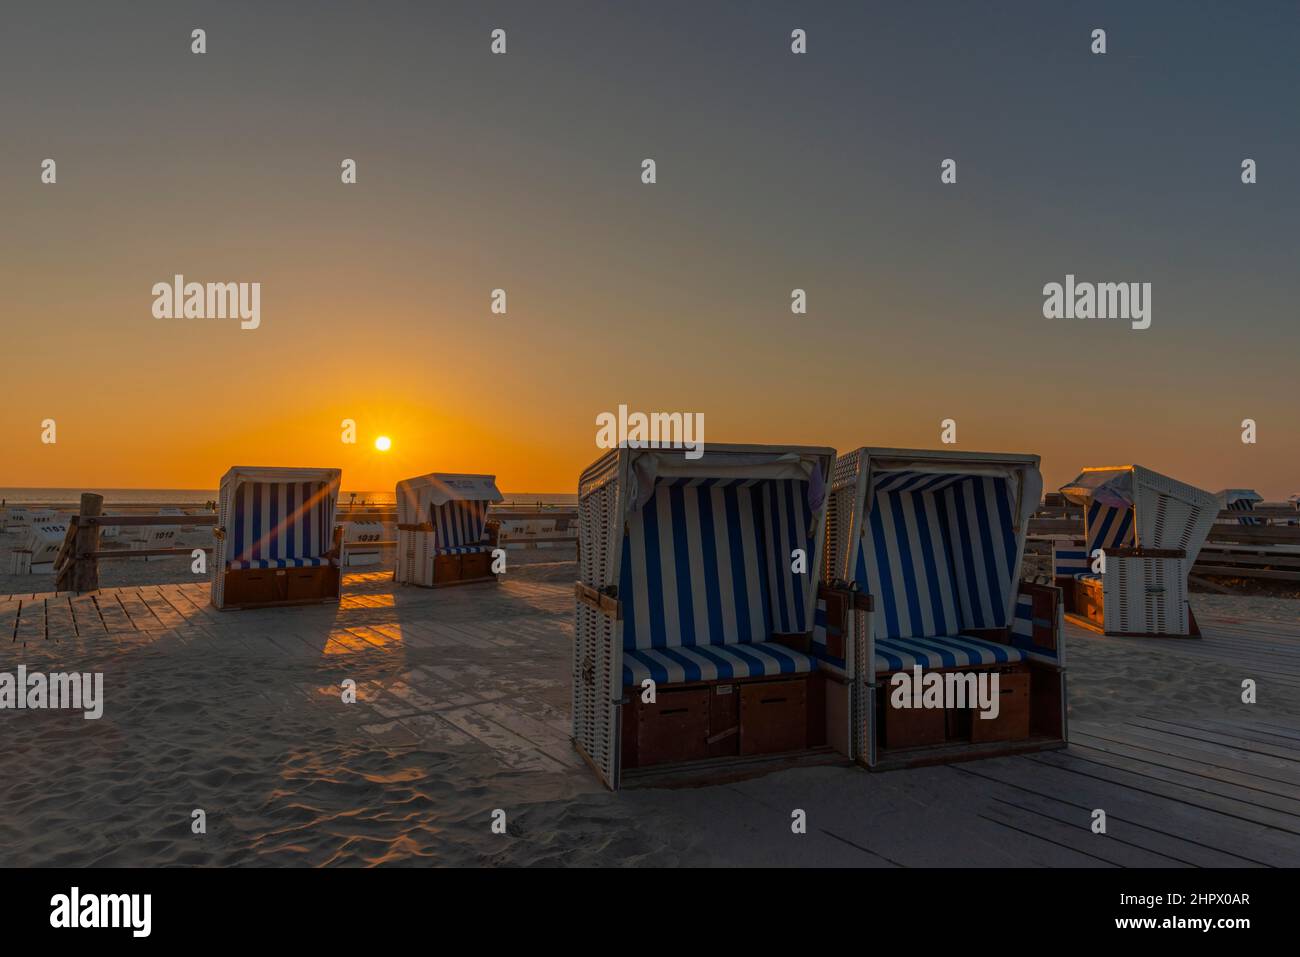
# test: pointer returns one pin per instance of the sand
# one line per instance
(286, 776)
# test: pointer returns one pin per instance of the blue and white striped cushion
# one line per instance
(700, 559)
(712, 663)
(1245, 505)
(279, 521)
(938, 552)
(457, 524)
(283, 563)
(1070, 561)
(461, 550)
(960, 651)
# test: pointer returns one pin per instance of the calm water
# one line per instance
(190, 496)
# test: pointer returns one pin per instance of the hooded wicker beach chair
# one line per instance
(276, 542)
(1240, 500)
(442, 529)
(1142, 533)
(695, 609)
(937, 539)
(36, 556)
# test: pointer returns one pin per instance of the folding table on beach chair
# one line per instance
(276, 541)
(1142, 533)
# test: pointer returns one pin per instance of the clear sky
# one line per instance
(522, 171)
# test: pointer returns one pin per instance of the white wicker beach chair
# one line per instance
(36, 556)
(360, 543)
(1142, 533)
(18, 518)
(442, 529)
(937, 539)
(699, 578)
(276, 541)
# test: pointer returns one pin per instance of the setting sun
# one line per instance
(383, 443)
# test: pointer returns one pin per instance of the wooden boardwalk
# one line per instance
(483, 672)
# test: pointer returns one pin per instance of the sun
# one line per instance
(383, 443)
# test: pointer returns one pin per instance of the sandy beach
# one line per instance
(464, 711)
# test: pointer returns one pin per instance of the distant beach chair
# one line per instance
(171, 510)
(17, 519)
(701, 575)
(276, 541)
(937, 539)
(1239, 500)
(1150, 529)
(442, 529)
(155, 536)
(360, 543)
(36, 557)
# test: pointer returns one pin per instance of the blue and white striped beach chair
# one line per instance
(442, 536)
(699, 579)
(276, 543)
(1240, 500)
(936, 538)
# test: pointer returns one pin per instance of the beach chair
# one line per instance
(937, 540)
(1142, 533)
(275, 538)
(36, 556)
(155, 536)
(360, 543)
(695, 610)
(442, 529)
(18, 518)
(1239, 500)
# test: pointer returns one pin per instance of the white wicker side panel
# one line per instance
(841, 511)
(225, 503)
(1145, 596)
(596, 662)
(864, 692)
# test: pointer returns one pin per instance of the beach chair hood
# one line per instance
(1163, 512)
(650, 466)
(436, 489)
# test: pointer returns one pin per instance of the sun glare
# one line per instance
(383, 443)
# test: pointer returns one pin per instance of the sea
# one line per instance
(69, 497)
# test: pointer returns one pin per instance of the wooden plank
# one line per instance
(1215, 755)
(31, 622)
(1186, 730)
(116, 620)
(59, 623)
(1143, 807)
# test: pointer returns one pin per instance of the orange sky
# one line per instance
(522, 172)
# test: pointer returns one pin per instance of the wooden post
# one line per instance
(85, 571)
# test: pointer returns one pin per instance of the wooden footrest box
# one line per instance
(1012, 722)
(774, 716)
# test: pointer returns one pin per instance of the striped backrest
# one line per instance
(458, 523)
(280, 520)
(1109, 526)
(707, 561)
(938, 553)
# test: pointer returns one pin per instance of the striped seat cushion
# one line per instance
(461, 549)
(712, 663)
(960, 651)
(283, 563)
